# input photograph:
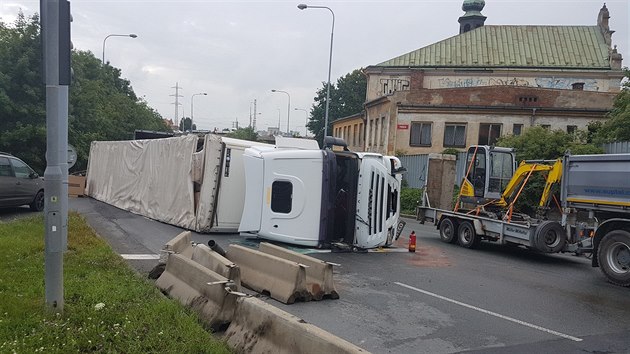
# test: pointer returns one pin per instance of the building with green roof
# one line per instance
(485, 82)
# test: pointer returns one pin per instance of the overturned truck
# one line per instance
(292, 192)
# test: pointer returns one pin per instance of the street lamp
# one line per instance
(288, 108)
(116, 35)
(303, 7)
(306, 122)
(191, 106)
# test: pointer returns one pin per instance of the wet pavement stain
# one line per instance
(429, 257)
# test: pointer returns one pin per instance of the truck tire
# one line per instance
(448, 230)
(549, 237)
(466, 235)
(614, 257)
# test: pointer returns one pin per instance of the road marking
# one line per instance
(523, 323)
(140, 257)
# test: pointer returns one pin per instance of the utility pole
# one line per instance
(176, 103)
(55, 24)
(254, 119)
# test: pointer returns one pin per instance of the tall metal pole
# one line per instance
(177, 104)
(55, 24)
(332, 31)
(116, 35)
(305, 122)
(191, 106)
(288, 108)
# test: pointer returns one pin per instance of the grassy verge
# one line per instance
(135, 317)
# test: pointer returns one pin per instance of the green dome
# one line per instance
(473, 5)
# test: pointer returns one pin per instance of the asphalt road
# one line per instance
(441, 299)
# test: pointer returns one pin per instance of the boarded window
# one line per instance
(420, 134)
(489, 133)
(517, 129)
(455, 135)
(281, 197)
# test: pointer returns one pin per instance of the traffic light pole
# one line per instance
(55, 24)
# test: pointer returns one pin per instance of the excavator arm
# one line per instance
(522, 174)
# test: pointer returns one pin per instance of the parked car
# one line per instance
(19, 184)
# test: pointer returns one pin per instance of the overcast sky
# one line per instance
(237, 51)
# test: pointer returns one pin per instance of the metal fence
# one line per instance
(416, 166)
(618, 147)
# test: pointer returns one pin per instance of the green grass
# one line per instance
(135, 318)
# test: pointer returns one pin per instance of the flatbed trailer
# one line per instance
(593, 217)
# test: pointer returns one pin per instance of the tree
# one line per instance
(247, 133)
(538, 143)
(184, 125)
(617, 127)
(346, 98)
(102, 104)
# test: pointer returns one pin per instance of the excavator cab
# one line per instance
(488, 172)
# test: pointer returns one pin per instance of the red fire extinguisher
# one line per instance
(412, 241)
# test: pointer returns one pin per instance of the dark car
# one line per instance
(19, 184)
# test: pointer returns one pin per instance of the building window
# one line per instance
(455, 135)
(489, 133)
(517, 129)
(578, 86)
(546, 126)
(571, 129)
(420, 134)
(528, 99)
(281, 197)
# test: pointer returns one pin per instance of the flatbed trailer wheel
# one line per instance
(614, 257)
(467, 236)
(549, 237)
(448, 230)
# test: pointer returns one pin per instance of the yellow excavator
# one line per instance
(492, 179)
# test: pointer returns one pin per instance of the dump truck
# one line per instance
(584, 207)
(217, 184)
(322, 197)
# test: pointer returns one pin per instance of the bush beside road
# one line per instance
(108, 307)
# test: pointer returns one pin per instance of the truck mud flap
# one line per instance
(209, 294)
(282, 279)
(258, 327)
(319, 274)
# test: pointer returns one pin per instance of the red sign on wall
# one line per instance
(403, 126)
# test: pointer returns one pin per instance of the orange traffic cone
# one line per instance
(412, 241)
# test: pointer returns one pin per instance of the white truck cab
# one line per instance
(299, 194)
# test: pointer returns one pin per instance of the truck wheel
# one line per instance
(614, 257)
(550, 237)
(467, 236)
(448, 230)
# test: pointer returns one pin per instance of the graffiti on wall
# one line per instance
(389, 86)
(548, 82)
(566, 83)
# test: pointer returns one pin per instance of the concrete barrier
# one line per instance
(283, 280)
(319, 274)
(258, 327)
(212, 260)
(181, 244)
(206, 292)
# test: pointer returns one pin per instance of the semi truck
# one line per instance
(322, 198)
(584, 207)
(292, 191)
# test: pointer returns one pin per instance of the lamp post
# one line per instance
(132, 35)
(191, 106)
(288, 108)
(305, 122)
(332, 31)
